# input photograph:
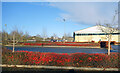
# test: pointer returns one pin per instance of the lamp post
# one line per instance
(64, 30)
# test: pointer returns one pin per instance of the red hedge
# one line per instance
(61, 44)
(64, 59)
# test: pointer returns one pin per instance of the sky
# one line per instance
(38, 17)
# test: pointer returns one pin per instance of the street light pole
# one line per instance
(64, 30)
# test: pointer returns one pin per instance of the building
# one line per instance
(32, 39)
(93, 34)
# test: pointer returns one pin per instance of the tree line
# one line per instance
(20, 37)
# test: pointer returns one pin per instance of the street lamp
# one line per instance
(64, 29)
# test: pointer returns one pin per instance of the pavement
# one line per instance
(61, 67)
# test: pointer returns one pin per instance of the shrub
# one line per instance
(64, 59)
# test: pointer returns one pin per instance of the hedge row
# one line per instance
(64, 59)
(61, 44)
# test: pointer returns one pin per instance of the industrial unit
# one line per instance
(93, 34)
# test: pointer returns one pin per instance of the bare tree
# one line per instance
(44, 34)
(4, 38)
(26, 36)
(68, 35)
(54, 36)
(16, 36)
(14, 33)
(13, 41)
(0, 37)
(13, 38)
(38, 38)
(108, 29)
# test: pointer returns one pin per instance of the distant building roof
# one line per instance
(94, 29)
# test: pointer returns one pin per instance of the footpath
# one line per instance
(62, 67)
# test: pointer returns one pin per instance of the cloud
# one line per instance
(87, 12)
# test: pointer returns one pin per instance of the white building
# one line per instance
(93, 34)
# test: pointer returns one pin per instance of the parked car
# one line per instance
(53, 40)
